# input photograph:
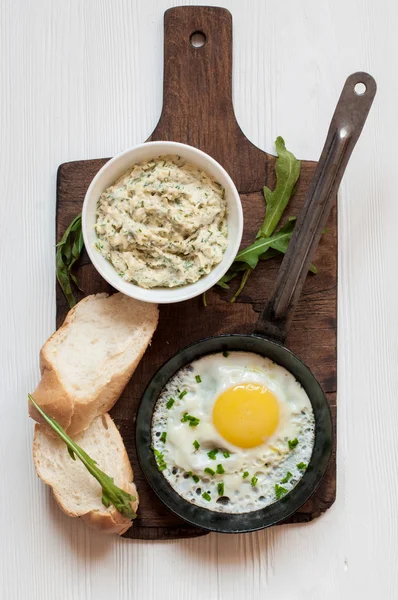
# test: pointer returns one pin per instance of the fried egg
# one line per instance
(233, 432)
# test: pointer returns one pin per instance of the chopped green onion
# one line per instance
(159, 459)
(226, 454)
(196, 445)
(245, 474)
(220, 469)
(206, 496)
(209, 471)
(212, 454)
(163, 437)
(288, 476)
(293, 443)
(225, 354)
(220, 488)
(254, 481)
(302, 466)
(198, 379)
(183, 393)
(170, 403)
(193, 421)
(280, 491)
(195, 478)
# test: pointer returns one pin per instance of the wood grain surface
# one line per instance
(198, 110)
(82, 80)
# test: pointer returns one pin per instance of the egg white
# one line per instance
(268, 463)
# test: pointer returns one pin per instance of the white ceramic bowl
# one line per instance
(107, 176)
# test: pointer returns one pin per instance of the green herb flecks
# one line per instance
(279, 491)
(293, 443)
(159, 459)
(220, 469)
(196, 445)
(206, 496)
(111, 494)
(302, 466)
(226, 454)
(210, 471)
(163, 437)
(170, 403)
(245, 474)
(253, 481)
(195, 478)
(68, 252)
(193, 421)
(183, 393)
(212, 454)
(288, 476)
(198, 379)
(220, 488)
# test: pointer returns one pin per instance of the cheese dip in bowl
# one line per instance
(162, 222)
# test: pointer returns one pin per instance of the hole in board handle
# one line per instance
(360, 89)
(197, 39)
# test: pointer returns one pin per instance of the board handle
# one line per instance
(197, 78)
(197, 93)
(348, 120)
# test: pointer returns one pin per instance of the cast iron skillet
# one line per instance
(271, 329)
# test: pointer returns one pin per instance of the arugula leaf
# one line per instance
(242, 284)
(267, 245)
(280, 246)
(251, 254)
(68, 252)
(287, 169)
(264, 249)
(230, 274)
(111, 494)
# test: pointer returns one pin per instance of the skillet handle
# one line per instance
(348, 120)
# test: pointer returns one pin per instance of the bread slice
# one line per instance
(75, 490)
(86, 364)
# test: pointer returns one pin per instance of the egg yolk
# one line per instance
(246, 414)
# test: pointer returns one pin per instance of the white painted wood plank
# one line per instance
(84, 79)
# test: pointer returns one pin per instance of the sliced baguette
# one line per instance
(75, 490)
(86, 364)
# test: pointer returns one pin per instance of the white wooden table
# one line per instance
(83, 79)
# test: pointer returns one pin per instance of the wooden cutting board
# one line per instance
(198, 110)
